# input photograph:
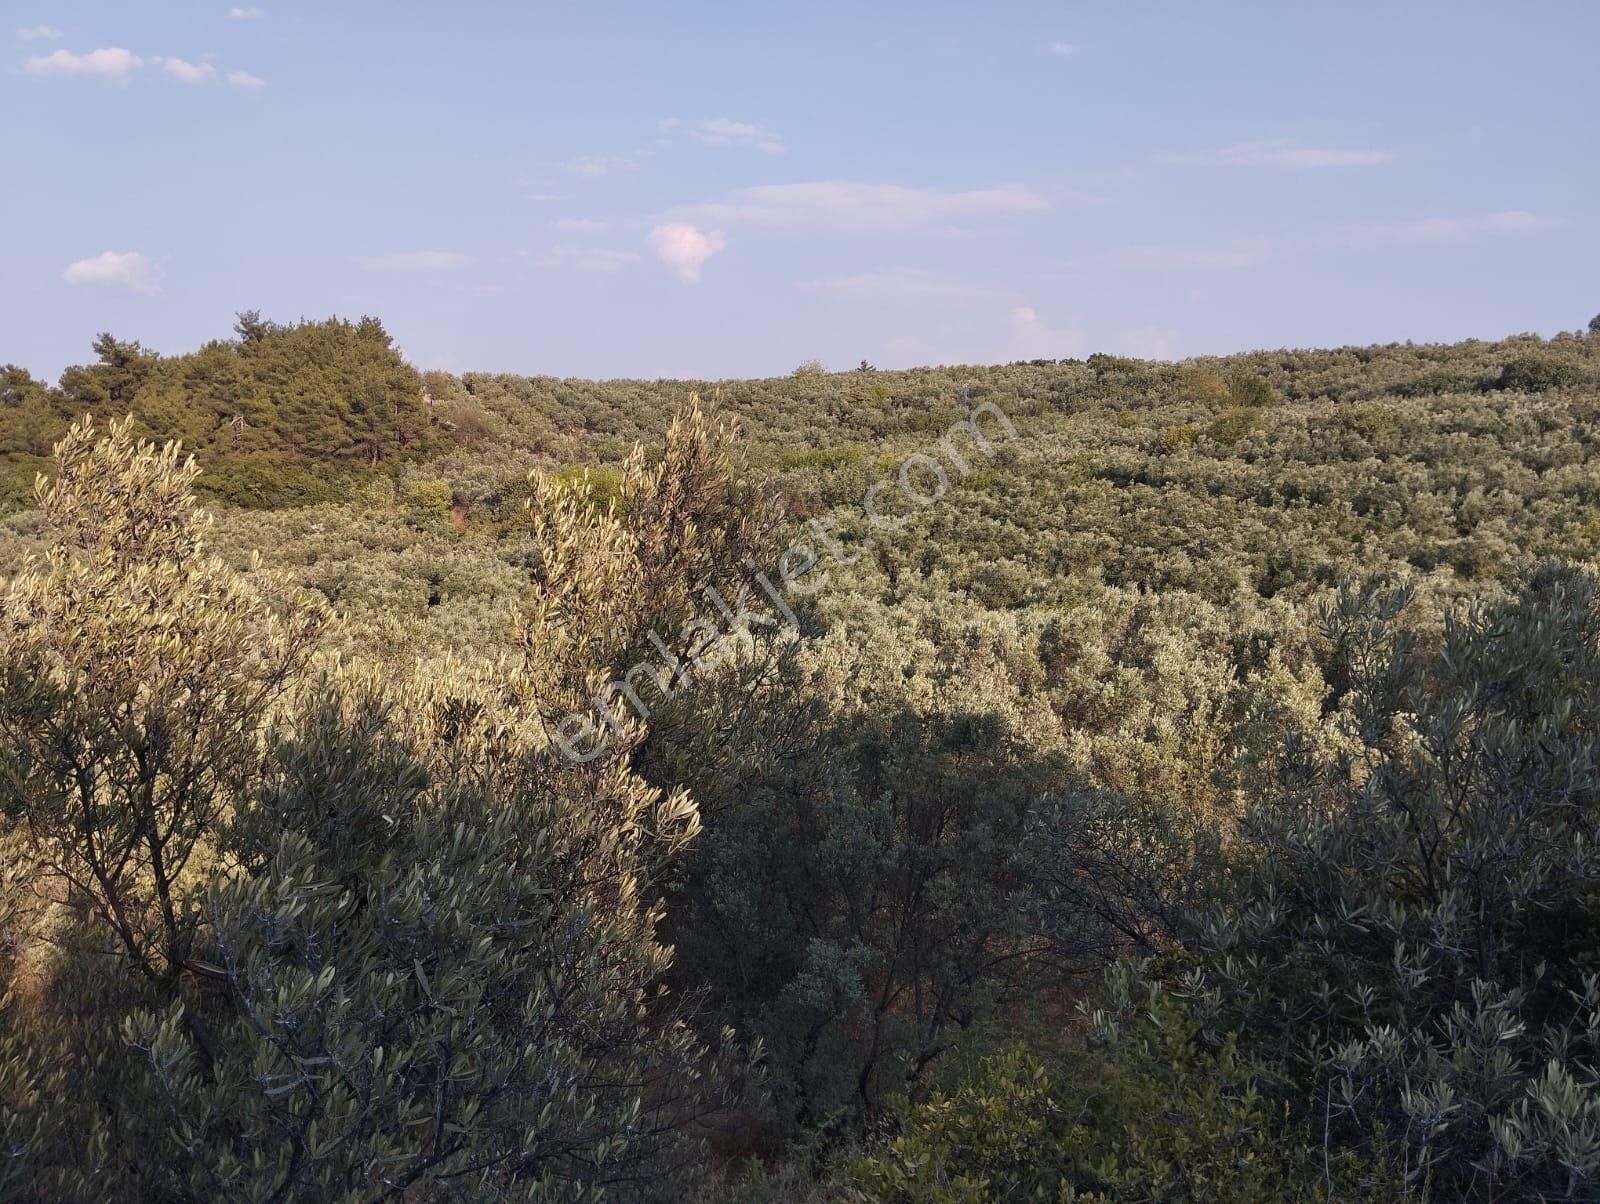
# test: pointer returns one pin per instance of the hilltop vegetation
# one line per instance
(282, 414)
(1102, 780)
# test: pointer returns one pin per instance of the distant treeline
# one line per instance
(296, 414)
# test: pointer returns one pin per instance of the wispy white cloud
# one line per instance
(580, 225)
(684, 248)
(1284, 153)
(110, 62)
(189, 73)
(243, 79)
(843, 203)
(592, 167)
(419, 261)
(1240, 253)
(1065, 50)
(127, 270)
(34, 33)
(1458, 229)
(597, 260)
(244, 14)
(721, 131)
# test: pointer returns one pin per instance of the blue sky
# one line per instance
(730, 189)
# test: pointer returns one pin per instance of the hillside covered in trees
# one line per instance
(1067, 780)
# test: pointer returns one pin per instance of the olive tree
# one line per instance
(1413, 928)
(309, 932)
(442, 975)
(137, 672)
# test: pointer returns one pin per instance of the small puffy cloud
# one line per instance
(1032, 338)
(592, 167)
(127, 270)
(720, 131)
(111, 62)
(34, 33)
(1284, 153)
(419, 261)
(1065, 50)
(1241, 253)
(244, 14)
(243, 79)
(189, 73)
(598, 260)
(684, 248)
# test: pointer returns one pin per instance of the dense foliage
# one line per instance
(1099, 780)
(283, 414)
(1416, 922)
(373, 938)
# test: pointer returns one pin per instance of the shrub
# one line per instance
(852, 900)
(1141, 1110)
(430, 497)
(137, 672)
(266, 481)
(1234, 424)
(1104, 364)
(1535, 374)
(436, 970)
(1176, 438)
(1417, 920)
(1203, 386)
(1248, 389)
(826, 459)
(1374, 422)
(855, 915)
(598, 488)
